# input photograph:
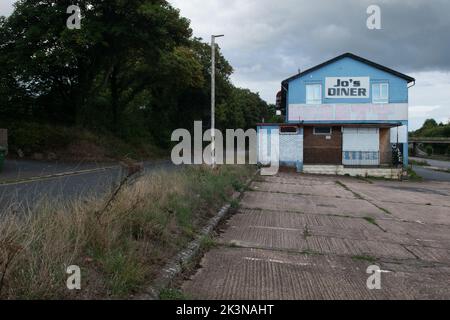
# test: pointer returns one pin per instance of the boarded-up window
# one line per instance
(289, 130)
(323, 131)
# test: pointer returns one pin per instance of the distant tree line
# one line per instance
(133, 69)
(431, 129)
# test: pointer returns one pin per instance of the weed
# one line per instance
(208, 243)
(310, 252)
(306, 233)
(172, 294)
(413, 176)
(421, 163)
(234, 203)
(365, 258)
(371, 220)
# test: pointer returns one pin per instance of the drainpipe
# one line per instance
(286, 102)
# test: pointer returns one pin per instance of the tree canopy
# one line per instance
(431, 129)
(133, 69)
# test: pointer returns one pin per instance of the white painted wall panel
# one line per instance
(349, 112)
(361, 139)
(264, 145)
(291, 148)
(401, 132)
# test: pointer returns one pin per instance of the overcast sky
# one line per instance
(267, 41)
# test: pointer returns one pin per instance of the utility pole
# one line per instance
(213, 99)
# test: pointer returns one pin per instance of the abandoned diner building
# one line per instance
(346, 116)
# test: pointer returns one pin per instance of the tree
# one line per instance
(429, 124)
(132, 69)
(56, 65)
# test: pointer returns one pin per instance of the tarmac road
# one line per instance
(73, 186)
(429, 174)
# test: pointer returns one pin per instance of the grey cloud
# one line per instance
(268, 40)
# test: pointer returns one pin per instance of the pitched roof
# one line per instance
(355, 57)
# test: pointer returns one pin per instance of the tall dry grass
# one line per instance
(119, 243)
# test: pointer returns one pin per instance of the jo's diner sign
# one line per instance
(347, 87)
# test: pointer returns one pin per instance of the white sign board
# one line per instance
(347, 87)
(399, 135)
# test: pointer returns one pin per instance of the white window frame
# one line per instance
(314, 100)
(380, 99)
(323, 134)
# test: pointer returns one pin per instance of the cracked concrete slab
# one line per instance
(408, 193)
(421, 214)
(307, 237)
(326, 190)
(311, 204)
(229, 273)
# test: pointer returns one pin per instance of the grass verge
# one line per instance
(421, 163)
(413, 176)
(120, 247)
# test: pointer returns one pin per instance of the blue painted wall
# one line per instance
(347, 67)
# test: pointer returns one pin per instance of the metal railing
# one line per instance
(361, 158)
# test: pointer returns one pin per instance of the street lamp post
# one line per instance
(213, 98)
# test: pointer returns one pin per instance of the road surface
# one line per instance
(299, 237)
(27, 194)
(435, 163)
(428, 173)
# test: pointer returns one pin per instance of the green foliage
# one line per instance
(431, 129)
(243, 109)
(413, 176)
(172, 294)
(133, 69)
(124, 273)
(34, 137)
(371, 220)
(208, 243)
(365, 258)
(429, 150)
(421, 163)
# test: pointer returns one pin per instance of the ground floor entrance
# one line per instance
(322, 145)
(339, 146)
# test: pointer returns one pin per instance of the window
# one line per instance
(326, 131)
(289, 130)
(380, 93)
(313, 94)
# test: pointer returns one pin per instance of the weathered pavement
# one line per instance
(83, 181)
(313, 237)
